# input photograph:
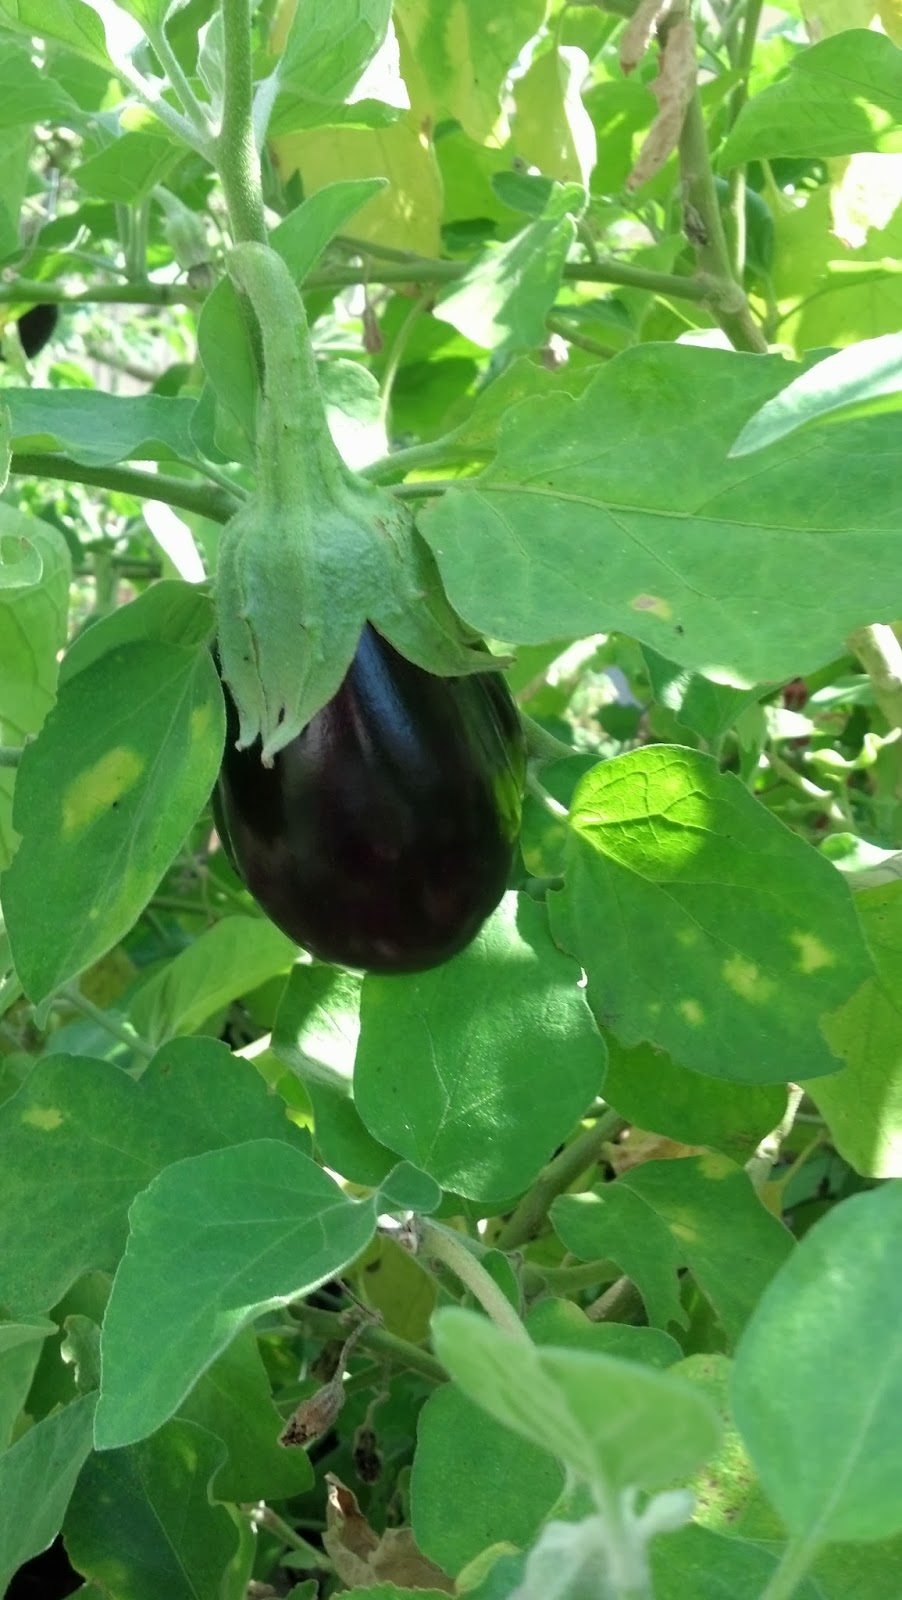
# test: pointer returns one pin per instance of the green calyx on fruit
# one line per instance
(317, 553)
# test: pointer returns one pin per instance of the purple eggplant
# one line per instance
(384, 834)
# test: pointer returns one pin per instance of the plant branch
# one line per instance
(171, 65)
(423, 269)
(880, 653)
(204, 499)
(167, 114)
(396, 355)
(451, 1251)
(704, 227)
(737, 180)
(71, 995)
(142, 292)
(237, 160)
(332, 1325)
(622, 1302)
(559, 1173)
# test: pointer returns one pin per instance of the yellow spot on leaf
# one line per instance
(200, 722)
(692, 1012)
(745, 979)
(47, 1118)
(654, 604)
(682, 1230)
(99, 789)
(715, 1165)
(813, 954)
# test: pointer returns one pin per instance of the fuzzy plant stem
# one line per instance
(237, 161)
(450, 1250)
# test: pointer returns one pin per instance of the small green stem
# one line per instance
(451, 1251)
(621, 1302)
(331, 1325)
(542, 745)
(171, 65)
(737, 179)
(705, 228)
(581, 341)
(139, 293)
(237, 160)
(606, 270)
(880, 653)
(262, 1516)
(417, 457)
(796, 1562)
(396, 355)
(71, 995)
(207, 501)
(167, 114)
(11, 754)
(559, 1173)
(566, 1281)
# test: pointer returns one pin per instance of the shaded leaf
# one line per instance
(37, 1476)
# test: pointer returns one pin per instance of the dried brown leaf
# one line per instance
(673, 88)
(648, 16)
(360, 1556)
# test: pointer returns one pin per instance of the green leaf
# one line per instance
(315, 1034)
(705, 707)
(728, 1496)
(817, 1382)
(610, 1421)
(701, 1213)
(104, 798)
(551, 129)
(20, 1350)
(697, 1561)
(79, 1125)
(475, 1483)
(37, 1476)
(603, 514)
(169, 611)
(465, 51)
(863, 1103)
(29, 95)
(854, 382)
(560, 1322)
(32, 632)
(68, 22)
(653, 1093)
(705, 926)
(214, 1241)
(98, 429)
(233, 957)
(328, 46)
(178, 1544)
(505, 295)
(303, 235)
(233, 1401)
(838, 96)
(128, 169)
(14, 180)
(476, 1070)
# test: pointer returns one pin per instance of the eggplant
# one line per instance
(383, 835)
(36, 328)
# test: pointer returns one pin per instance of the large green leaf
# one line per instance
(705, 926)
(701, 1213)
(79, 1126)
(474, 1482)
(67, 22)
(104, 798)
(609, 1420)
(475, 1070)
(98, 429)
(621, 510)
(32, 632)
(465, 51)
(214, 1240)
(817, 1383)
(865, 378)
(128, 169)
(29, 95)
(328, 45)
(505, 296)
(233, 957)
(178, 1543)
(653, 1093)
(37, 1476)
(841, 95)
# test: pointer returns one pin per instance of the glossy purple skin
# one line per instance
(383, 835)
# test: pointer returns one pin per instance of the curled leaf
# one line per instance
(673, 88)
